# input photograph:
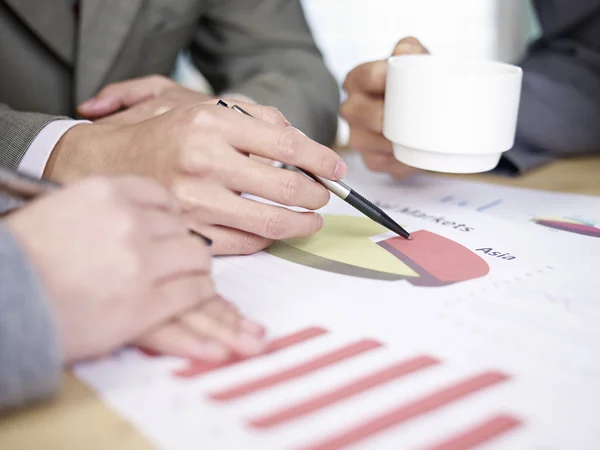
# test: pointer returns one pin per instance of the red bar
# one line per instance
(410, 411)
(479, 434)
(354, 387)
(305, 368)
(197, 367)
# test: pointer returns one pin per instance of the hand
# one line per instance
(132, 101)
(363, 110)
(115, 261)
(139, 99)
(213, 331)
(198, 151)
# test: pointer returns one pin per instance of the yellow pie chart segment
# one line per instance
(346, 239)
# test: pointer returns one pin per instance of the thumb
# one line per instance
(99, 107)
(409, 46)
(115, 97)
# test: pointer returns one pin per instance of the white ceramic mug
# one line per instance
(451, 116)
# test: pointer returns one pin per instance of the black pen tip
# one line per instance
(391, 224)
(206, 240)
(375, 213)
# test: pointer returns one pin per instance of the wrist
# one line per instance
(79, 152)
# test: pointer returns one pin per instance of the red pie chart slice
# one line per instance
(439, 261)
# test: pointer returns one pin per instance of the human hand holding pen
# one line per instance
(200, 153)
(241, 225)
(345, 192)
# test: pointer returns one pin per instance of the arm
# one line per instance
(30, 359)
(560, 103)
(265, 51)
(17, 132)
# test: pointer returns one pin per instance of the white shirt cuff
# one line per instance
(36, 157)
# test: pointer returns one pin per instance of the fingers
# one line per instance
(175, 257)
(387, 163)
(368, 78)
(175, 339)
(401, 171)
(364, 110)
(228, 334)
(179, 295)
(378, 154)
(210, 332)
(409, 46)
(366, 141)
(137, 113)
(241, 174)
(230, 241)
(284, 144)
(269, 221)
(228, 313)
(124, 94)
(98, 107)
(266, 113)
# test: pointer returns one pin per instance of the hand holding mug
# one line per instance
(364, 107)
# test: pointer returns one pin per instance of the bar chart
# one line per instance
(482, 430)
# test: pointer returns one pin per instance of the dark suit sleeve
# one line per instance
(560, 104)
(17, 132)
(264, 49)
(30, 358)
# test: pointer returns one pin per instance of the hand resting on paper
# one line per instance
(118, 267)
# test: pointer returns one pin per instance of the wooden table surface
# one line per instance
(77, 420)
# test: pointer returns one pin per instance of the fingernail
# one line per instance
(250, 344)
(341, 169)
(252, 328)
(88, 103)
(408, 48)
(321, 221)
(104, 102)
(299, 131)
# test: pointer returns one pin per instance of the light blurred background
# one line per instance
(350, 32)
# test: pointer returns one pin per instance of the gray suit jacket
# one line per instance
(560, 104)
(259, 48)
(30, 359)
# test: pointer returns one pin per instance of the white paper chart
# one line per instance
(381, 343)
(576, 215)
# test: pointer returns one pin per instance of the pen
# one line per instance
(27, 187)
(347, 194)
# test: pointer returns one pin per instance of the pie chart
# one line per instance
(345, 246)
(576, 226)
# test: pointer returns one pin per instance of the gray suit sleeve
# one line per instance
(560, 105)
(30, 358)
(17, 132)
(264, 49)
